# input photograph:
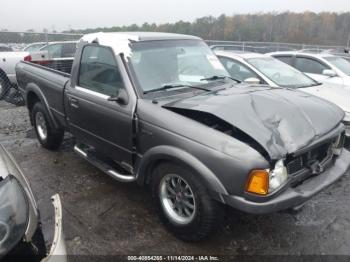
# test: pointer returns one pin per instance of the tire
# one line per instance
(5, 85)
(195, 223)
(49, 137)
(35, 251)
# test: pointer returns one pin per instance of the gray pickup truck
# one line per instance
(160, 109)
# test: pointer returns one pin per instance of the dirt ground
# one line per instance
(104, 217)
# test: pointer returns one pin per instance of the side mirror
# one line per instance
(121, 98)
(252, 81)
(329, 72)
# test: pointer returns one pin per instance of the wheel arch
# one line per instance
(160, 154)
(33, 94)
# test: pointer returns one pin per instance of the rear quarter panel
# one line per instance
(47, 84)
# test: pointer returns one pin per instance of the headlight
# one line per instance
(278, 176)
(347, 117)
(13, 214)
(346, 122)
(263, 182)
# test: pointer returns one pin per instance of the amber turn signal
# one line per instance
(258, 182)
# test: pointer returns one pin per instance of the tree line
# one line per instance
(327, 28)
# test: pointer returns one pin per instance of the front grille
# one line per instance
(295, 165)
(316, 159)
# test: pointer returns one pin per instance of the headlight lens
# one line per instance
(13, 214)
(278, 176)
(258, 182)
(347, 117)
(346, 122)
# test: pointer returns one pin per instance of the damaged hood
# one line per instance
(280, 120)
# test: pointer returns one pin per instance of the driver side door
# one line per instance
(94, 119)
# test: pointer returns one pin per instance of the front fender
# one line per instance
(173, 154)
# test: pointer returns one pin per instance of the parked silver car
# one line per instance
(322, 67)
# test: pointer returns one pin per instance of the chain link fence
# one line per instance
(18, 40)
(267, 47)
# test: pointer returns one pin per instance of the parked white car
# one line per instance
(8, 61)
(58, 50)
(34, 47)
(264, 69)
(60, 53)
(324, 68)
(61, 49)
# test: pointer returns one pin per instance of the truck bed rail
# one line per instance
(47, 68)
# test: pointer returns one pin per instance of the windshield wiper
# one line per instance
(173, 86)
(215, 78)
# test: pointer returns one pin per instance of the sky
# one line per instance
(21, 15)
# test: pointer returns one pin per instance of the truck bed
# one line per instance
(60, 64)
(51, 83)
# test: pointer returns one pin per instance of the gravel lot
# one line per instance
(102, 216)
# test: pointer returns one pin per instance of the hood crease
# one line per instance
(282, 121)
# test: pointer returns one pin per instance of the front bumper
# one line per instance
(58, 251)
(347, 134)
(293, 197)
(35, 249)
(347, 137)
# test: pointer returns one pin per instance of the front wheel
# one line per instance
(49, 137)
(184, 204)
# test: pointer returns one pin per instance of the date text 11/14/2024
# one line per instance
(173, 258)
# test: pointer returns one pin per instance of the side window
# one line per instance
(237, 70)
(68, 50)
(285, 59)
(54, 51)
(99, 71)
(307, 65)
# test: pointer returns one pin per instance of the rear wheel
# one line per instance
(49, 137)
(184, 204)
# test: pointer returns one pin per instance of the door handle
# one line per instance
(74, 102)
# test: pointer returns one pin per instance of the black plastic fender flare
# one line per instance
(32, 88)
(173, 154)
